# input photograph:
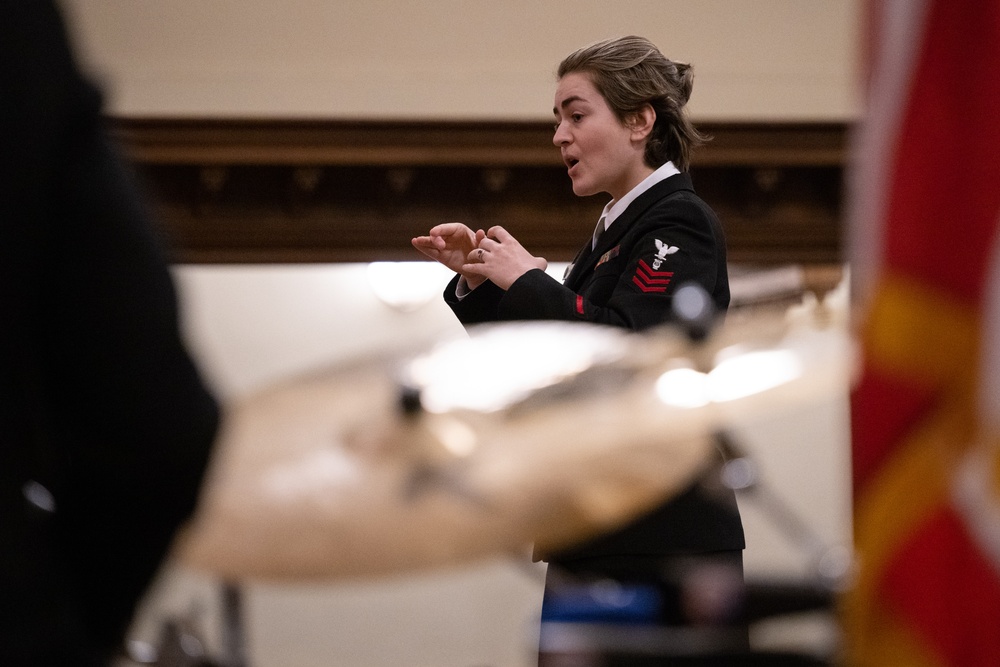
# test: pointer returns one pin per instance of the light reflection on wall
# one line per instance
(409, 285)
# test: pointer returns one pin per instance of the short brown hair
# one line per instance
(630, 72)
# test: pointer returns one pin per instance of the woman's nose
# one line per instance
(561, 136)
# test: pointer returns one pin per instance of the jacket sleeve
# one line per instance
(478, 306)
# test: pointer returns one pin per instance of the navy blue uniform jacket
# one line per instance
(667, 237)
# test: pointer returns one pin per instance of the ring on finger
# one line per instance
(480, 254)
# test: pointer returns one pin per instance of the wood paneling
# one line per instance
(253, 190)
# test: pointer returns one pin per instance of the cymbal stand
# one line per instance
(831, 563)
(696, 314)
(233, 636)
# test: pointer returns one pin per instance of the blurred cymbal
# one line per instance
(544, 433)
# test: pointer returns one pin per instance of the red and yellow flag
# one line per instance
(924, 207)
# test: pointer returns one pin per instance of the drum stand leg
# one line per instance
(233, 635)
(831, 563)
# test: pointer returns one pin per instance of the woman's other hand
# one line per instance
(500, 258)
(451, 244)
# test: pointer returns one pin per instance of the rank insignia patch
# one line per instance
(648, 279)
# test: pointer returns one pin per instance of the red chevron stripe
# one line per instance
(649, 280)
(651, 272)
(644, 288)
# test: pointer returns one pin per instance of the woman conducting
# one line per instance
(622, 129)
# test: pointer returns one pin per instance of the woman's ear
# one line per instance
(641, 122)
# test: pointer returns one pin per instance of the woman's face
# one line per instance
(601, 154)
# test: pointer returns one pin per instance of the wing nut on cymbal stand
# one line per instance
(434, 465)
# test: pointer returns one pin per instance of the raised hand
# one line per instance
(500, 258)
(449, 244)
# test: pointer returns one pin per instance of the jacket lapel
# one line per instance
(586, 259)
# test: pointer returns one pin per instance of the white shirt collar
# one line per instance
(615, 208)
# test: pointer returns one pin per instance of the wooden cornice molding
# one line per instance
(291, 190)
(337, 143)
(393, 143)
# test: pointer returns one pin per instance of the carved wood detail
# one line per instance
(260, 190)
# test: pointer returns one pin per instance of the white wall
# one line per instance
(759, 60)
